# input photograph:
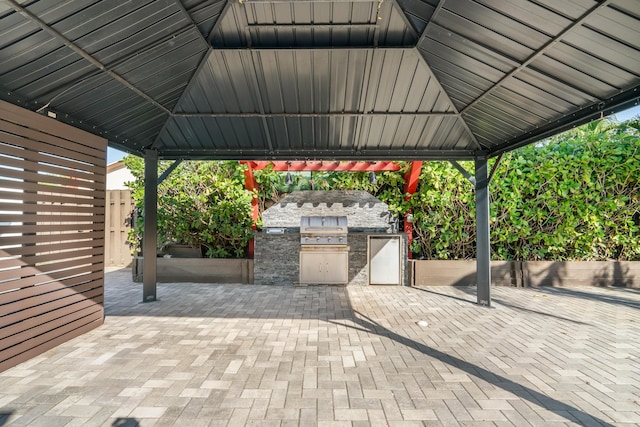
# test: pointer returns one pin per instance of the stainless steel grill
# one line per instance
(324, 253)
(323, 230)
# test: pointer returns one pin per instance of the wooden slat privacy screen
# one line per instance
(52, 233)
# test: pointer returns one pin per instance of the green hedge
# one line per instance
(574, 197)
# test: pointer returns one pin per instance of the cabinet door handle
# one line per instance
(327, 270)
(320, 267)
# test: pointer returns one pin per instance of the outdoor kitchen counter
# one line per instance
(277, 257)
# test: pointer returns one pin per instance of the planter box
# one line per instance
(183, 251)
(461, 273)
(581, 273)
(528, 273)
(200, 270)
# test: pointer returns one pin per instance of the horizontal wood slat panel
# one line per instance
(48, 217)
(65, 276)
(55, 159)
(35, 326)
(52, 334)
(49, 207)
(45, 199)
(43, 249)
(52, 237)
(27, 271)
(14, 299)
(12, 329)
(45, 169)
(54, 149)
(47, 345)
(84, 196)
(50, 259)
(35, 303)
(49, 228)
(94, 295)
(50, 179)
(49, 126)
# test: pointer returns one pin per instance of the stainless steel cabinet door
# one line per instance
(384, 260)
(324, 267)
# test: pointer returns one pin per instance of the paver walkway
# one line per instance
(234, 355)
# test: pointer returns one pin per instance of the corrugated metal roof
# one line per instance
(321, 78)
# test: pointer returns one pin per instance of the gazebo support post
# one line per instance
(483, 244)
(150, 236)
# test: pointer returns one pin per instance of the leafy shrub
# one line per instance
(200, 203)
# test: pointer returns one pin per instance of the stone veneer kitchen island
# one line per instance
(276, 260)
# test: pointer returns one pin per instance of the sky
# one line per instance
(114, 155)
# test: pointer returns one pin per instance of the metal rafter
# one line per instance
(435, 13)
(189, 19)
(464, 172)
(396, 6)
(111, 65)
(203, 61)
(168, 171)
(541, 51)
(494, 168)
(622, 101)
(83, 53)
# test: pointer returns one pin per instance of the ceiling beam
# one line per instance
(312, 115)
(538, 53)
(82, 53)
(245, 2)
(310, 26)
(362, 155)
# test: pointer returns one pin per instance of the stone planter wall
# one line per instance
(528, 273)
(200, 270)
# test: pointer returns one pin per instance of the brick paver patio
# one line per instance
(233, 355)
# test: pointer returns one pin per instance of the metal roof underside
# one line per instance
(321, 79)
